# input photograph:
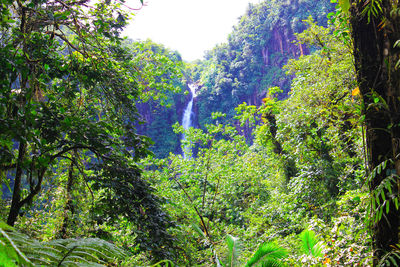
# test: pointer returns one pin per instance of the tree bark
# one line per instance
(16, 197)
(379, 83)
(288, 164)
(69, 206)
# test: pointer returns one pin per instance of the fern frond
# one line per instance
(11, 249)
(98, 248)
(93, 252)
(87, 255)
(166, 263)
(39, 261)
(79, 264)
(268, 254)
(26, 251)
(43, 255)
(75, 258)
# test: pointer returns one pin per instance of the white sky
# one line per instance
(188, 26)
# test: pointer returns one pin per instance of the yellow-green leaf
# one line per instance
(344, 5)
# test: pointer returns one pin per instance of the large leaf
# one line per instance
(268, 254)
(10, 254)
(311, 245)
(19, 249)
(233, 250)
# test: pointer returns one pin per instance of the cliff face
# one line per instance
(238, 71)
(275, 53)
(251, 62)
(283, 42)
(157, 124)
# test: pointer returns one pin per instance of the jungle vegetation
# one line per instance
(293, 160)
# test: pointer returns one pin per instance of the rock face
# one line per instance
(251, 62)
(157, 124)
(238, 71)
(283, 42)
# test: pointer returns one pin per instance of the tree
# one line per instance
(161, 80)
(68, 91)
(243, 69)
(55, 61)
(375, 31)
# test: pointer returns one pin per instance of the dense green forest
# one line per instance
(293, 159)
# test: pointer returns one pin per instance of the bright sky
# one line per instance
(189, 26)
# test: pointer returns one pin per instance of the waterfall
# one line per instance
(187, 114)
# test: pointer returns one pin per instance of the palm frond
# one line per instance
(267, 255)
(391, 258)
(310, 243)
(234, 247)
(198, 230)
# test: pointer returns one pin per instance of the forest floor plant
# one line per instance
(18, 249)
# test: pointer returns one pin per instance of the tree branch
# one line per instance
(62, 37)
(65, 150)
(8, 167)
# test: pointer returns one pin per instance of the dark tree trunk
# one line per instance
(17, 201)
(378, 79)
(289, 164)
(16, 197)
(69, 206)
(273, 130)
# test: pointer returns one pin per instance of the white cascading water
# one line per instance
(187, 115)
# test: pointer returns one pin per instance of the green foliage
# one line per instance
(126, 194)
(345, 236)
(267, 255)
(243, 69)
(344, 5)
(160, 81)
(383, 197)
(310, 243)
(320, 119)
(306, 153)
(20, 249)
(221, 185)
(159, 70)
(310, 146)
(391, 258)
(73, 99)
(372, 8)
(233, 244)
(69, 92)
(10, 254)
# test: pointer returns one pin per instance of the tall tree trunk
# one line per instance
(288, 163)
(379, 83)
(16, 197)
(69, 206)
